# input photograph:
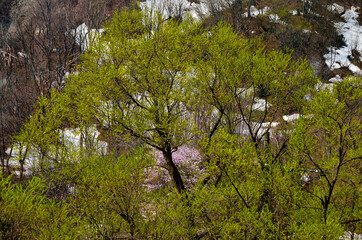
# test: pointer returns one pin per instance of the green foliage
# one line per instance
(27, 214)
(159, 85)
(328, 139)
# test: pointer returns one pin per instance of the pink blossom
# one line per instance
(186, 158)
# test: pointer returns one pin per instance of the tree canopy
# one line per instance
(172, 98)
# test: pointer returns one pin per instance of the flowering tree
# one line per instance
(136, 81)
(195, 104)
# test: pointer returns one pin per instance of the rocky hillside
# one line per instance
(41, 41)
(176, 119)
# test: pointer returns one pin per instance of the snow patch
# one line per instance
(260, 128)
(170, 8)
(3, 82)
(23, 55)
(201, 10)
(293, 12)
(260, 104)
(336, 8)
(254, 12)
(350, 235)
(352, 33)
(291, 118)
(324, 86)
(72, 139)
(336, 79)
(83, 35)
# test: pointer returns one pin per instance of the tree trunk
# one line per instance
(173, 170)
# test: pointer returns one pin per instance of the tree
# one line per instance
(252, 88)
(17, 96)
(40, 30)
(142, 87)
(160, 85)
(148, 77)
(38, 52)
(328, 139)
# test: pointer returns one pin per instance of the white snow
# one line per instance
(356, 70)
(83, 35)
(291, 118)
(245, 92)
(169, 8)
(336, 8)
(274, 18)
(260, 128)
(348, 236)
(305, 177)
(293, 12)
(336, 79)
(323, 86)
(15, 158)
(3, 82)
(352, 33)
(254, 12)
(73, 139)
(269, 125)
(307, 97)
(23, 55)
(260, 104)
(66, 74)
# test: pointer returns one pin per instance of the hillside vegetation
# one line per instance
(118, 122)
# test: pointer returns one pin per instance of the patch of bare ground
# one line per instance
(342, 72)
(356, 60)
